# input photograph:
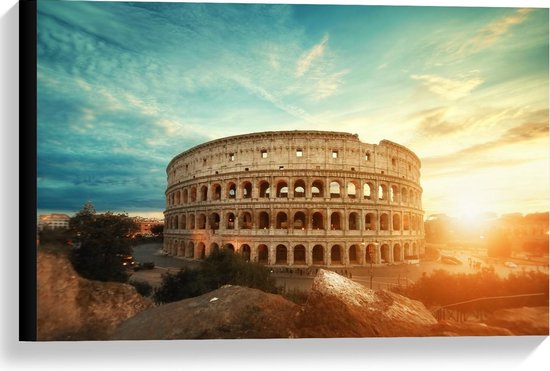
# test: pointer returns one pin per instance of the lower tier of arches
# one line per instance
(301, 253)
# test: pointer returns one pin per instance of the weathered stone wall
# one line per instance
(297, 198)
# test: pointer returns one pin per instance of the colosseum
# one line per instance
(296, 199)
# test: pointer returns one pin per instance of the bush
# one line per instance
(442, 288)
(218, 269)
(142, 287)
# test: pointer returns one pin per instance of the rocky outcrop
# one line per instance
(231, 312)
(521, 321)
(73, 308)
(339, 307)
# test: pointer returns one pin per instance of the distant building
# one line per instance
(145, 225)
(53, 221)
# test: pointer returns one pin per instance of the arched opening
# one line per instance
(394, 193)
(353, 254)
(263, 254)
(317, 255)
(193, 194)
(204, 193)
(370, 222)
(181, 249)
(282, 190)
(415, 250)
(281, 255)
(353, 221)
(175, 223)
(201, 251)
(201, 222)
(214, 221)
(247, 190)
(385, 254)
(407, 251)
(299, 220)
(384, 224)
(214, 248)
(335, 221)
(317, 189)
(264, 189)
(335, 190)
(216, 192)
(183, 222)
(229, 247)
(191, 221)
(370, 254)
(177, 198)
(231, 190)
(382, 190)
(185, 196)
(299, 254)
(336, 254)
(263, 220)
(317, 221)
(282, 220)
(367, 191)
(246, 220)
(190, 250)
(352, 190)
(299, 188)
(404, 195)
(245, 251)
(230, 221)
(406, 222)
(396, 225)
(396, 253)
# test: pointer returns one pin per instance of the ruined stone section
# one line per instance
(231, 312)
(296, 198)
(73, 308)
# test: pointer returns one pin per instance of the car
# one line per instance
(128, 261)
(143, 266)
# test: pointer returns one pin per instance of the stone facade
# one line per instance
(296, 198)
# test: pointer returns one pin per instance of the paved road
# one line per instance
(383, 276)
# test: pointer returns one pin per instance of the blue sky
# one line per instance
(124, 87)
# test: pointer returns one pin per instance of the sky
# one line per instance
(124, 87)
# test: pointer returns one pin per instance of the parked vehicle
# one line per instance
(143, 266)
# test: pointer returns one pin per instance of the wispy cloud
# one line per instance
(491, 33)
(304, 63)
(450, 89)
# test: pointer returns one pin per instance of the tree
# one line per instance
(157, 230)
(218, 269)
(102, 240)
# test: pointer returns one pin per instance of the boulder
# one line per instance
(230, 312)
(339, 307)
(70, 307)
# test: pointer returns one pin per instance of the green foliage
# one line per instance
(218, 269)
(101, 241)
(142, 287)
(442, 288)
(57, 236)
(157, 229)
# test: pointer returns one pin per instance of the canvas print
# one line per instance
(260, 171)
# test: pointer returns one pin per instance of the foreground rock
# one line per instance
(73, 308)
(339, 307)
(521, 321)
(231, 312)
